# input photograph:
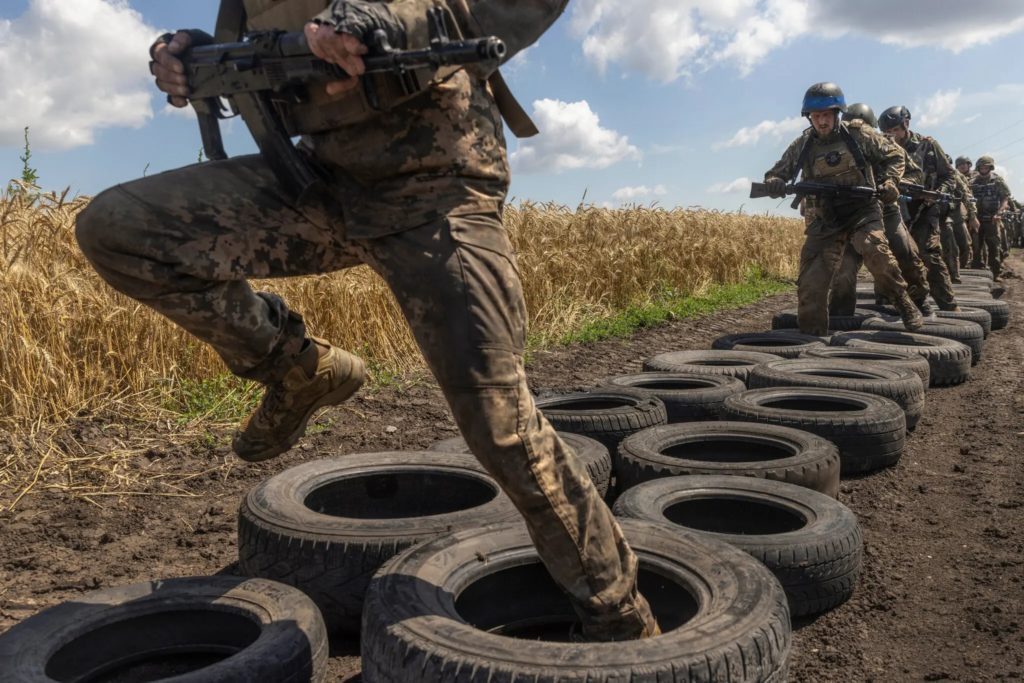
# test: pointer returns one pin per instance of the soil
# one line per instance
(941, 597)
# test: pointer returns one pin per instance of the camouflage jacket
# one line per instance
(963, 191)
(935, 171)
(990, 191)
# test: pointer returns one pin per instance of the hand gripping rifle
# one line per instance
(811, 188)
(267, 69)
(915, 191)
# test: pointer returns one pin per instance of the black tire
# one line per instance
(718, 362)
(899, 384)
(869, 430)
(977, 272)
(607, 415)
(963, 331)
(592, 454)
(948, 360)
(974, 315)
(839, 323)
(192, 630)
(785, 345)
(326, 526)
(745, 449)
(900, 359)
(687, 397)
(811, 542)
(723, 615)
(973, 291)
(999, 310)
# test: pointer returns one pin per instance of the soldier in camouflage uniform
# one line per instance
(954, 226)
(416, 192)
(841, 153)
(935, 172)
(993, 196)
(965, 214)
(843, 299)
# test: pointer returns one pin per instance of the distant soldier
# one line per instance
(844, 154)
(954, 227)
(964, 230)
(843, 300)
(935, 172)
(993, 197)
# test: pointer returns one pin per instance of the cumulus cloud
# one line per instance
(679, 37)
(938, 108)
(571, 137)
(627, 194)
(776, 130)
(70, 69)
(731, 187)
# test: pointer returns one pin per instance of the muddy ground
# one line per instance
(942, 592)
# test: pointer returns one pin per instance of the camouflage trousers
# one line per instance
(964, 238)
(822, 254)
(950, 248)
(987, 243)
(184, 242)
(843, 297)
(924, 228)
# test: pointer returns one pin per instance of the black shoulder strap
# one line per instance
(230, 21)
(801, 158)
(855, 150)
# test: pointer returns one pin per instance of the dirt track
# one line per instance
(941, 597)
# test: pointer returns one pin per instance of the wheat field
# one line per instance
(71, 347)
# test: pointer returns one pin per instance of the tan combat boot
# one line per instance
(280, 419)
(912, 318)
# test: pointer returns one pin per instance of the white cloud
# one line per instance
(972, 118)
(775, 130)
(68, 69)
(570, 137)
(732, 187)
(626, 194)
(938, 108)
(670, 39)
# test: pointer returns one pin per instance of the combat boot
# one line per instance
(912, 318)
(927, 310)
(323, 375)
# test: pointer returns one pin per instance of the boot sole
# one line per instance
(336, 397)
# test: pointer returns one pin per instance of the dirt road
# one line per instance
(941, 598)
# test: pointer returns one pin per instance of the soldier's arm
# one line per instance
(972, 206)
(943, 169)
(1004, 194)
(785, 167)
(885, 154)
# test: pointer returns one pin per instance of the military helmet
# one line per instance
(821, 96)
(893, 117)
(861, 111)
(985, 161)
(963, 160)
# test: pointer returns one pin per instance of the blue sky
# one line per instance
(673, 101)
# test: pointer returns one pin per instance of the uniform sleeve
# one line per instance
(968, 201)
(944, 181)
(1002, 189)
(785, 167)
(519, 23)
(883, 154)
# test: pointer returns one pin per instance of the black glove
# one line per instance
(362, 20)
(776, 187)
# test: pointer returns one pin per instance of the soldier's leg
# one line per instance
(962, 234)
(990, 235)
(925, 232)
(869, 241)
(458, 285)
(843, 296)
(950, 249)
(978, 243)
(904, 249)
(819, 261)
(184, 242)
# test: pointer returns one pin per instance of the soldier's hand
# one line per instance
(974, 224)
(337, 48)
(888, 193)
(776, 187)
(169, 70)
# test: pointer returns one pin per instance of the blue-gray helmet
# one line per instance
(821, 96)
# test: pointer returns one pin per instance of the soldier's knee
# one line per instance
(93, 224)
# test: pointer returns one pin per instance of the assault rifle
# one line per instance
(814, 189)
(270, 69)
(915, 191)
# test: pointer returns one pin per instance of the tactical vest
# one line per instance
(323, 112)
(986, 192)
(835, 161)
(922, 152)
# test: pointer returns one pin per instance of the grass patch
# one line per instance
(671, 305)
(224, 398)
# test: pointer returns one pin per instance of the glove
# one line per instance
(776, 187)
(888, 193)
(363, 20)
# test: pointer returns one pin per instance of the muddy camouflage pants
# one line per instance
(987, 244)
(843, 297)
(950, 249)
(185, 241)
(822, 253)
(963, 236)
(925, 230)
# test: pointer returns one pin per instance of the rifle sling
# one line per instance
(515, 116)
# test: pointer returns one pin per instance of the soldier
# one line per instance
(964, 230)
(935, 172)
(954, 226)
(843, 300)
(841, 153)
(993, 196)
(416, 192)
